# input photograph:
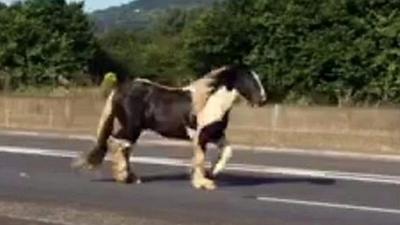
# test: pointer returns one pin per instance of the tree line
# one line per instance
(307, 52)
(43, 42)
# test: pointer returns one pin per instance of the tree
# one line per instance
(322, 51)
(45, 39)
(218, 37)
(156, 54)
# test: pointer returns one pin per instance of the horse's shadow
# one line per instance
(229, 179)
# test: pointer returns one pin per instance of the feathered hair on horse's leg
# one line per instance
(95, 157)
(120, 153)
(199, 179)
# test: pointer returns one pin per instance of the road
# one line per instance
(37, 186)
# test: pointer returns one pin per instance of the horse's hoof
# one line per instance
(134, 179)
(123, 178)
(205, 184)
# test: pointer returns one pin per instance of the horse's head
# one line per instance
(248, 84)
(245, 81)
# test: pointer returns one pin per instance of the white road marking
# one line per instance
(48, 135)
(24, 175)
(150, 140)
(328, 205)
(298, 172)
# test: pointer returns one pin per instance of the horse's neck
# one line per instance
(201, 90)
(217, 105)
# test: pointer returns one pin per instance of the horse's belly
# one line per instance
(175, 135)
(177, 132)
(170, 118)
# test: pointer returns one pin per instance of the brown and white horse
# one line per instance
(198, 112)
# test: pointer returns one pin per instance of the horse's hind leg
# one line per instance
(121, 150)
(120, 153)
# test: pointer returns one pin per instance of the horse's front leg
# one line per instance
(223, 158)
(199, 179)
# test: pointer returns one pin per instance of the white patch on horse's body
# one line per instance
(257, 78)
(201, 88)
(216, 107)
(191, 132)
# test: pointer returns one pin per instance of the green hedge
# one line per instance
(320, 51)
(308, 52)
(43, 42)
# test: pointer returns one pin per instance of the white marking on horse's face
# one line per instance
(262, 90)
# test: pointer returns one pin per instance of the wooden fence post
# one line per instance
(51, 118)
(67, 112)
(6, 113)
(274, 124)
(275, 116)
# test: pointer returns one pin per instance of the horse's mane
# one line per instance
(203, 88)
(157, 84)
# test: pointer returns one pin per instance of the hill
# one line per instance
(139, 14)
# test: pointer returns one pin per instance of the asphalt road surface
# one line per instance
(38, 186)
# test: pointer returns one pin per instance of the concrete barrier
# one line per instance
(357, 129)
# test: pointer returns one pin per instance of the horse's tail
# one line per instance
(96, 156)
(110, 82)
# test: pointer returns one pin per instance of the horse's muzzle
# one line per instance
(257, 104)
(262, 101)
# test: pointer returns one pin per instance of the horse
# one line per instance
(198, 112)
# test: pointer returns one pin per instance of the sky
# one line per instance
(91, 5)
